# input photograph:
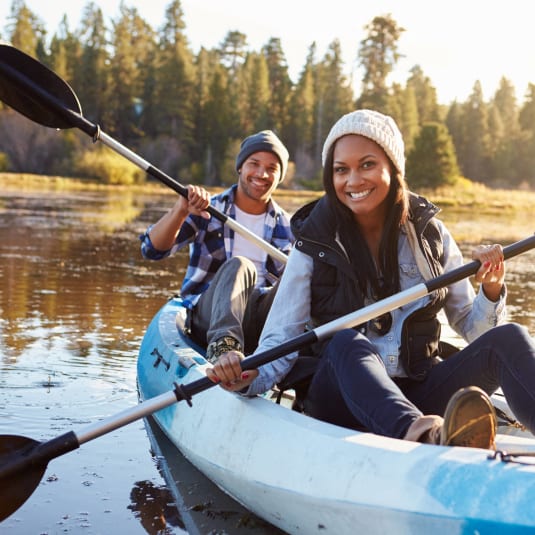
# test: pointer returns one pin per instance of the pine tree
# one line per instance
(378, 55)
(334, 96)
(131, 42)
(425, 94)
(526, 115)
(299, 134)
(526, 145)
(455, 125)
(26, 31)
(233, 50)
(402, 106)
(474, 155)
(60, 60)
(89, 59)
(280, 85)
(175, 82)
(213, 119)
(432, 162)
(257, 101)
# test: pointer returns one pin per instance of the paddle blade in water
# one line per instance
(17, 486)
(22, 78)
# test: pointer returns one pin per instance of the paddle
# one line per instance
(23, 461)
(36, 92)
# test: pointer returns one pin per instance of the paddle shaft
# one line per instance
(75, 119)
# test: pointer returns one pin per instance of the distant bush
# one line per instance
(108, 167)
(4, 162)
(229, 175)
(197, 173)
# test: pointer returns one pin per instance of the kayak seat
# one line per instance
(298, 380)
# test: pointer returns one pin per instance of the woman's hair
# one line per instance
(386, 281)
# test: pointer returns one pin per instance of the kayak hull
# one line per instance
(306, 476)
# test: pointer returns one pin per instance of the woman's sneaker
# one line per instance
(469, 420)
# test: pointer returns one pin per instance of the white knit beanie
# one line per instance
(374, 125)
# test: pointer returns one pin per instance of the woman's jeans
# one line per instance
(351, 387)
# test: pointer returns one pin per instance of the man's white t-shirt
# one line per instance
(243, 247)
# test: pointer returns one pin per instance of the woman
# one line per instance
(366, 239)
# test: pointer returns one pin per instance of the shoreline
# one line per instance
(472, 212)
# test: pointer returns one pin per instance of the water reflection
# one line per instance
(75, 299)
(64, 272)
(155, 508)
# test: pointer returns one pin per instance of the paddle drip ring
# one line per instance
(182, 394)
(96, 135)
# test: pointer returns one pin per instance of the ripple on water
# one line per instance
(77, 387)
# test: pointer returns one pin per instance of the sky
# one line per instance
(455, 42)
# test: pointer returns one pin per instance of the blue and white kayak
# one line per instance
(306, 476)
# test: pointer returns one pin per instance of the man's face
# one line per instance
(260, 174)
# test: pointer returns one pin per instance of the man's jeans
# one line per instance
(232, 306)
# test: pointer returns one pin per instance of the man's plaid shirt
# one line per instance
(211, 244)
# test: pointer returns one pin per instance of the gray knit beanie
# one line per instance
(374, 125)
(264, 141)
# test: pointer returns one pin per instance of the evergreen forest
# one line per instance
(186, 112)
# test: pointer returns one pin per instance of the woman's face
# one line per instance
(361, 176)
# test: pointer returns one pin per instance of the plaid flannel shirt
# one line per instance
(211, 243)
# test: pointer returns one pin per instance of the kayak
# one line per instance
(307, 476)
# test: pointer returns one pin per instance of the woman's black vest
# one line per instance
(335, 291)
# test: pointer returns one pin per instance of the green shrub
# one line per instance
(108, 167)
(4, 162)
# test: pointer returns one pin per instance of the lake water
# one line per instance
(75, 299)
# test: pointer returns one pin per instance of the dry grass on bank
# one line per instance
(472, 212)
(465, 195)
(30, 182)
(474, 196)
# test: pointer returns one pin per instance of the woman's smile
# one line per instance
(356, 196)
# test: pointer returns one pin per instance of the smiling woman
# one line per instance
(369, 239)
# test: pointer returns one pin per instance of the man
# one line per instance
(229, 283)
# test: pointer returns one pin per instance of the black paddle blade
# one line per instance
(22, 77)
(15, 489)
(22, 464)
